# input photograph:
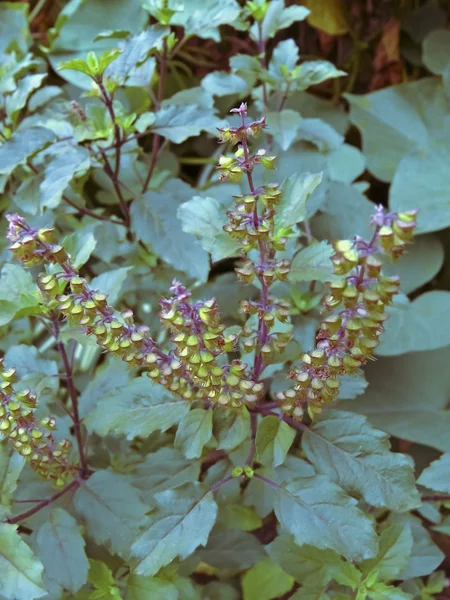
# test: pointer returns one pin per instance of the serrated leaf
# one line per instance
(138, 410)
(317, 512)
(155, 222)
(179, 122)
(112, 510)
(296, 190)
(22, 146)
(311, 566)
(181, 523)
(345, 448)
(284, 126)
(313, 263)
(194, 431)
(19, 294)
(274, 437)
(21, 571)
(68, 566)
(437, 475)
(416, 326)
(231, 426)
(265, 580)
(11, 465)
(395, 547)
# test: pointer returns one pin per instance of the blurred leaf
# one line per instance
(220, 83)
(179, 122)
(265, 580)
(284, 126)
(203, 18)
(436, 51)
(437, 475)
(11, 465)
(278, 17)
(19, 294)
(329, 16)
(66, 163)
(22, 146)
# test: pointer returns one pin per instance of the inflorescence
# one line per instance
(196, 367)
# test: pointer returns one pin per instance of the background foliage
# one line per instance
(357, 91)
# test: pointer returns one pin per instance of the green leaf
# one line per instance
(22, 146)
(381, 591)
(204, 18)
(416, 326)
(284, 126)
(346, 163)
(109, 380)
(313, 263)
(236, 516)
(394, 399)
(274, 437)
(296, 190)
(19, 294)
(231, 426)
(144, 408)
(21, 571)
(314, 593)
(278, 17)
(61, 549)
(318, 512)
(311, 566)
(80, 22)
(18, 99)
(80, 245)
(194, 431)
(408, 115)
(136, 50)
(66, 163)
(203, 218)
(111, 282)
(181, 522)
(221, 83)
(179, 122)
(437, 475)
(421, 180)
(395, 548)
(316, 71)
(11, 465)
(76, 64)
(425, 556)
(14, 26)
(231, 550)
(155, 222)
(163, 470)
(319, 133)
(284, 58)
(265, 580)
(345, 448)
(436, 51)
(150, 588)
(419, 265)
(112, 511)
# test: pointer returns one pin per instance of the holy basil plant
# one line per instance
(190, 406)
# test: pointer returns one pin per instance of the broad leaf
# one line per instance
(265, 580)
(112, 510)
(274, 437)
(315, 72)
(221, 83)
(181, 522)
(313, 263)
(357, 457)
(278, 17)
(284, 126)
(66, 163)
(22, 146)
(311, 566)
(231, 426)
(318, 512)
(140, 587)
(154, 220)
(19, 294)
(416, 326)
(194, 431)
(296, 190)
(21, 571)
(436, 51)
(138, 410)
(61, 549)
(111, 282)
(437, 475)
(204, 18)
(11, 465)
(179, 122)
(395, 547)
